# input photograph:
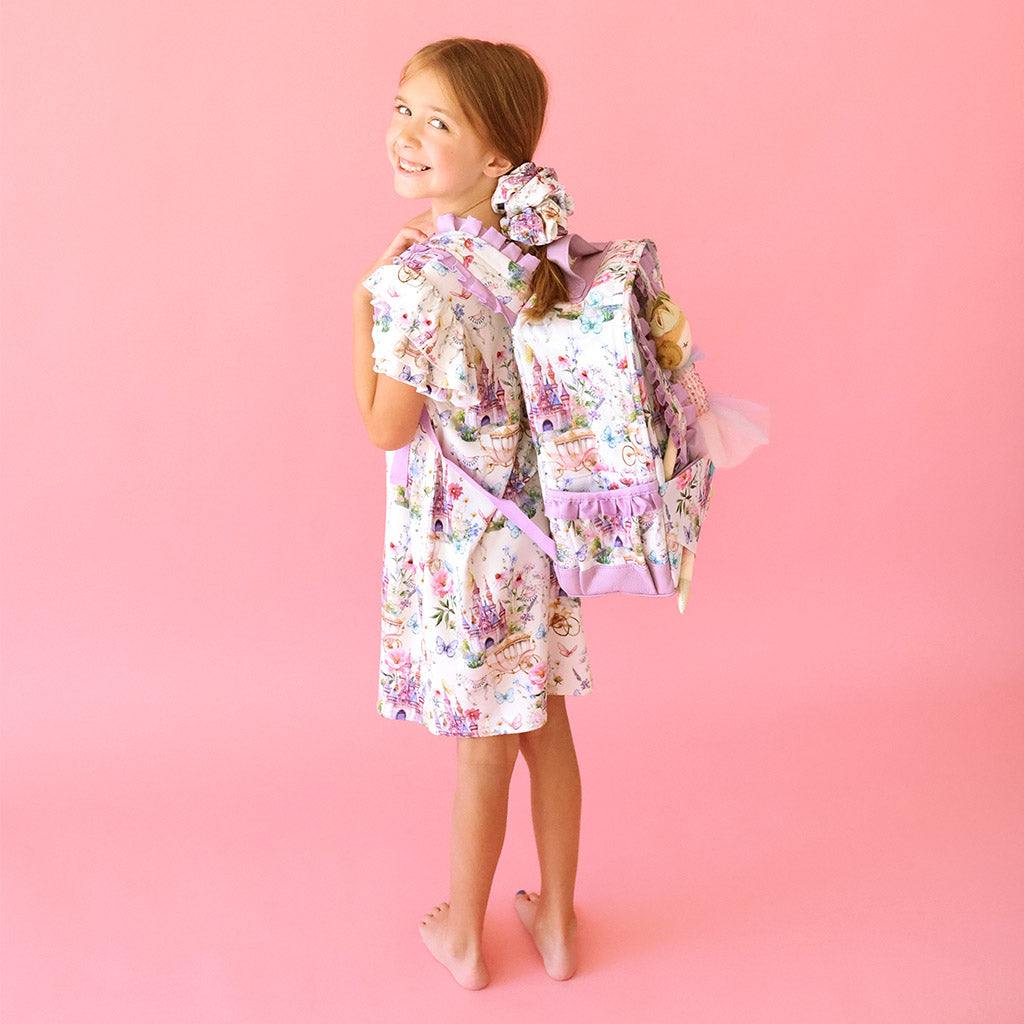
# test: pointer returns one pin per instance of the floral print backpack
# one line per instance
(625, 484)
(626, 487)
(627, 438)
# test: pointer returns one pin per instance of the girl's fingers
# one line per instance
(404, 239)
(424, 221)
(408, 235)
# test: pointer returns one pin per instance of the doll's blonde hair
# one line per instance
(505, 95)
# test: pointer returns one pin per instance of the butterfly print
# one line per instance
(467, 602)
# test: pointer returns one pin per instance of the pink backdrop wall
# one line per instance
(192, 518)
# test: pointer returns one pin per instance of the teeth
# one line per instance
(412, 168)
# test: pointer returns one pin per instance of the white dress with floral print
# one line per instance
(476, 632)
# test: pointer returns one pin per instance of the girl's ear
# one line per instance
(497, 166)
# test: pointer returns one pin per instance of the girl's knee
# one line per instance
(489, 751)
(554, 735)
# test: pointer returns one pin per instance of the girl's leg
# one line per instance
(453, 931)
(550, 916)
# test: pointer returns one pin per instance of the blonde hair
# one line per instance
(505, 95)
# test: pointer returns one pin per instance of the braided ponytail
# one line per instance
(549, 287)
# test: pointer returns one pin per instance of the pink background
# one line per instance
(815, 816)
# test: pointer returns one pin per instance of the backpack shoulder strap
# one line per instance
(400, 460)
(509, 509)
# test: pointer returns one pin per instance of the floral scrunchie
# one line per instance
(534, 207)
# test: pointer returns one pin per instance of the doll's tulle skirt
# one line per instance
(731, 429)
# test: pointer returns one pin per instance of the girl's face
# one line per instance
(435, 151)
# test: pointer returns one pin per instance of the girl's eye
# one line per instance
(402, 109)
(438, 123)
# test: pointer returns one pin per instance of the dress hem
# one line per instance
(408, 715)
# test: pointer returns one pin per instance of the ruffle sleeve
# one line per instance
(418, 334)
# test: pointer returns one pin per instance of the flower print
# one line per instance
(534, 206)
(527, 228)
(539, 674)
(439, 665)
(549, 210)
(397, 659)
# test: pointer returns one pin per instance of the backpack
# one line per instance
(625, 487)
(604, 415)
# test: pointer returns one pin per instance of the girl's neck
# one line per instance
(480, 210)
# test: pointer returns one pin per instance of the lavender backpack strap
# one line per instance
(509, 509)
(399, 474)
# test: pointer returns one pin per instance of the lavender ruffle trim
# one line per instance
(504, 245)
(680, 427)
(625, 501)
(493, 237)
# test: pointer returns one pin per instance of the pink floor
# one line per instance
(830, 846)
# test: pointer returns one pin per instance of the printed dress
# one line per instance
(476, 632)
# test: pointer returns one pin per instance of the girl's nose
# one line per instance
(406, 137)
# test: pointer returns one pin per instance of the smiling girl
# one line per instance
(478, 642)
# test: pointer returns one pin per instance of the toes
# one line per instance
(431, 914)
(526, 906)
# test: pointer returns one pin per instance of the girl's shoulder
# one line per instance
(465, 258)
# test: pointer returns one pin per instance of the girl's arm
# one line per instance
(390, 408)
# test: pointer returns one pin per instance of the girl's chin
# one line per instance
(407, 184)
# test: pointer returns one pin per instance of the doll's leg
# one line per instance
(453, 931)
(555, 797)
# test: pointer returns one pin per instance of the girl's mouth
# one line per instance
(410, 168)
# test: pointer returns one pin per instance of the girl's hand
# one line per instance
(417, 230)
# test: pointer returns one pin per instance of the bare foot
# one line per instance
(556, 941)
(467, 965)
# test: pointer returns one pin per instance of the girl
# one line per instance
(478, 641)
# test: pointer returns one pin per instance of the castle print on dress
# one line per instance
(475, 623)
